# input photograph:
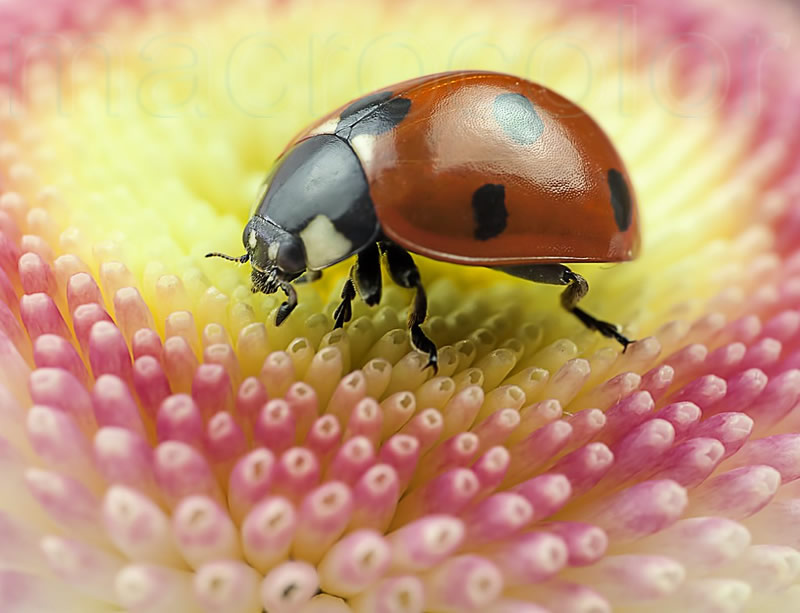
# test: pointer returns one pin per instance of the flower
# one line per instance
(165, 447)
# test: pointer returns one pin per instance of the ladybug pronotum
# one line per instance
(474, 168)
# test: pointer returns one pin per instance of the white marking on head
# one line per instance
(272, 251)
(251, 239)
(324, 243)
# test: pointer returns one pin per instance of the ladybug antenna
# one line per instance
(241, 259)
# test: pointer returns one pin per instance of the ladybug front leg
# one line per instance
(405, 273)
(286, 307)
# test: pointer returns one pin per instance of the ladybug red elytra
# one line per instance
(476, 168)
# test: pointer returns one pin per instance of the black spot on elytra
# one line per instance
(489, 211)
(620, 199)
(515, 114)
(373, 114)
(383, 118)
(365, 104)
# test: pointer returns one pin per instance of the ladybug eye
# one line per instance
(291, 256)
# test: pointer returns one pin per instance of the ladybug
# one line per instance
(469, 167)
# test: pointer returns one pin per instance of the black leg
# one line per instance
(405, 273)
(577, 288)
(366, 274)
(287, 307)
(344, 311)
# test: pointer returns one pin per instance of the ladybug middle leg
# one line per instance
(577, 288)
(365, 276)
(405, 273)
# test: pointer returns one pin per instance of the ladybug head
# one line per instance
(269, 246)
(277, 256)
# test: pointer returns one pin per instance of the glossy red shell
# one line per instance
(424, 172)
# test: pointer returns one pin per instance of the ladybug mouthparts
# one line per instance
(267, 281)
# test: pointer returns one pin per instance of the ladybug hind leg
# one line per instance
(404, 272)
(365, 276)
(577, 288)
